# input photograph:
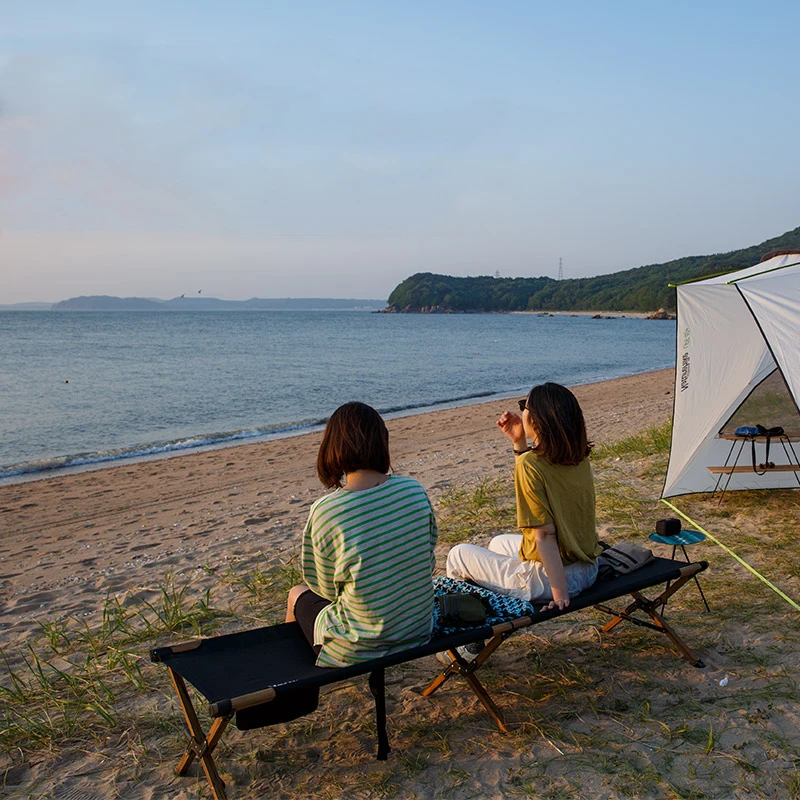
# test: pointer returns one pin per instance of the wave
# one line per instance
(175, 446)
(443, 402)
(155, 449)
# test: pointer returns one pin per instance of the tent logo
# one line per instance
(685, 360)
(685, 372)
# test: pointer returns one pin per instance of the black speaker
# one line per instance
(668, 527)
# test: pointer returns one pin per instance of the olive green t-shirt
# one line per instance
(548, 492)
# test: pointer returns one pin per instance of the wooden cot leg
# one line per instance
(494, 712)
(687, 652)
(441, 677)
(200, 744)
(458, 665)
(659, 623)
(467, 669)
(617, 617)
(641, 602)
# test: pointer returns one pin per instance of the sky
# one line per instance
(332, 149)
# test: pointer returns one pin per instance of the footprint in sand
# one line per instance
(17, 776)
(33, 602)
(258, 520)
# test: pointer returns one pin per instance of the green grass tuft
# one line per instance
(651, 442)
(465, 513)
(71, 680)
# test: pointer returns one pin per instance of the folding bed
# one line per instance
(268, 675)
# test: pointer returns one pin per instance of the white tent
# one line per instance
(737, 333)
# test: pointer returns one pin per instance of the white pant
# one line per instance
(500, 569)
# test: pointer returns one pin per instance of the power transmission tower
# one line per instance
(561, 269)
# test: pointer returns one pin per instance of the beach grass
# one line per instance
(618, 715)
(69, 681)
(475, 513)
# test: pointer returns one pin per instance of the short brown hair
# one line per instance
(559, 423)
(355, 438)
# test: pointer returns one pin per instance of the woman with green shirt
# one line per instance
(367, 550)
(554, 558)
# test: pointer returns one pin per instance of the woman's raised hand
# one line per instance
(511, 425)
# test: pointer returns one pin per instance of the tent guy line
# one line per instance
(730, 552)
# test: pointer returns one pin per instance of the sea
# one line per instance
(82, 389)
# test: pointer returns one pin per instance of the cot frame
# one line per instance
(201, 744)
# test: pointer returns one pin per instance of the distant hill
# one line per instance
(195, 303)
(640, 289)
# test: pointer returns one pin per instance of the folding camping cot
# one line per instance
(268, 675)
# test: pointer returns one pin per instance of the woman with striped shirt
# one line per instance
(367, 551)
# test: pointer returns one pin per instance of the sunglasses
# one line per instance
(523, 404)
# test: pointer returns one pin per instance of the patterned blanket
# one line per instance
(503, 607)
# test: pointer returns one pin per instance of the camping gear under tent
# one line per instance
(738, 363)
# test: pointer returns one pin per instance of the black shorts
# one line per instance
(306, 611)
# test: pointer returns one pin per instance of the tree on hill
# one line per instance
(644, 288)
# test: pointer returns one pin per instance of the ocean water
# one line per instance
(83, 388)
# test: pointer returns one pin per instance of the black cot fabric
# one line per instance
(228, 666)
(279, 656)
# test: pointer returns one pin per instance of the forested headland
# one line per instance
(641, 289)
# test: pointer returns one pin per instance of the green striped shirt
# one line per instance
(371, 554)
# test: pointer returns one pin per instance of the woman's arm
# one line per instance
(547, 546)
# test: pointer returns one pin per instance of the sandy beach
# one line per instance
(67, 541)
(71, 544)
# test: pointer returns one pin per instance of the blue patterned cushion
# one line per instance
(503, 606)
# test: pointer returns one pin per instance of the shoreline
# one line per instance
(158, 451)
(603, 314)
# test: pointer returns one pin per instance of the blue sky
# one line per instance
(277, 149)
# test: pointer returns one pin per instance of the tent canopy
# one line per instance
(738, 363)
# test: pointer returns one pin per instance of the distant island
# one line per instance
(643, 289)
(196, 303)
